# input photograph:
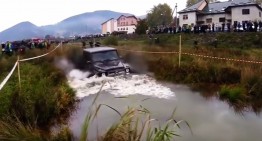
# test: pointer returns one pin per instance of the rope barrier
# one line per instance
(226, 59)
(23, 60)
(8, 76)
(149, 52)
(197, 55)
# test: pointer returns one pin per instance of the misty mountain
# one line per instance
(86, 23)
(22, 30)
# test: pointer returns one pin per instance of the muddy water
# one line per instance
(210, 119)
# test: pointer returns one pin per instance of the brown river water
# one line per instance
(210, 119)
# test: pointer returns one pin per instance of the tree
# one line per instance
(192, 2)
(259, 2)
(160, 15)
(141, 27)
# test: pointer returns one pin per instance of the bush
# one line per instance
(111, 40)
(254, 86)
(233, 94)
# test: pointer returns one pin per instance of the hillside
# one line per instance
(86, 23)
(22, 30)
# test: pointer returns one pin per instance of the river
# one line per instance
(210, 119)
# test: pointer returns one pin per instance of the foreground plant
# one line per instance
(15, 130)
(134, 125)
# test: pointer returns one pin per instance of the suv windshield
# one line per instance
(106, 55)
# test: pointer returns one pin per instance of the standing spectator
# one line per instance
(260, 25)
(255, 26)
(244, 25)
(228, 26)
(3, 47)
(223, 27)
(213, 27)
(83, 44)
(8, 48)
(235, 25)
(209, 27)
(250, 27)
(238, 26)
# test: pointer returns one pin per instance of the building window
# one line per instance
(133, 22)
(245, 11)
(209, 20)
(222, 20)
(126, 28)
(126, 23)
(259, 14)
(118, 29)
(185, 17)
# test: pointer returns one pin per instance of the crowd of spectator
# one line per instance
(19, 47)
(245, 26)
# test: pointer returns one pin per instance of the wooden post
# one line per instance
(179, 50)
(61, 45)
(18, 69)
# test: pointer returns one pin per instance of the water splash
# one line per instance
(118, 86)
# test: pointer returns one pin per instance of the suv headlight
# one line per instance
(127, 70)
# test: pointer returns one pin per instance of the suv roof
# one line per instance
(99, 49)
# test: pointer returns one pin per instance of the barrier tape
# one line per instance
(23, 60)
(149, 52)
(220, 58)
(8, 76)
(197, 55)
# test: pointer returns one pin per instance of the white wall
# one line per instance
(130, 29)
(238, 16)
(115, 25)
(108, 26)
(215, 18)
(191, 18)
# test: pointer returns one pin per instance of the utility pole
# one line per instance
(176, 18)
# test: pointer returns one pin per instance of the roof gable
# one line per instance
(107, 21)
(121, 17)
(127, 16)
(219, 7)
(194, 7)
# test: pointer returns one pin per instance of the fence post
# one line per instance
(18, 68)
(61, 46)
(179, 50)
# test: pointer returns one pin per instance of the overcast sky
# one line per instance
(44, 12)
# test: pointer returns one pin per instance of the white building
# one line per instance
(109, 26)
(204, 13)
(124, 24)
(127, 24)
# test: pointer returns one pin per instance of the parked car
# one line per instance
(104, 61)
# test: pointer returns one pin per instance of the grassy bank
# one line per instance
(240, 83)
(44, 97)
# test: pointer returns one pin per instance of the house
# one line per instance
(218, 13)
(124, 23)
(127, 23)
(109, 26)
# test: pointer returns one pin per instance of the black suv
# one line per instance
(104, 61)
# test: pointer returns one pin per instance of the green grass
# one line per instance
(233, 94)
(44, 98)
